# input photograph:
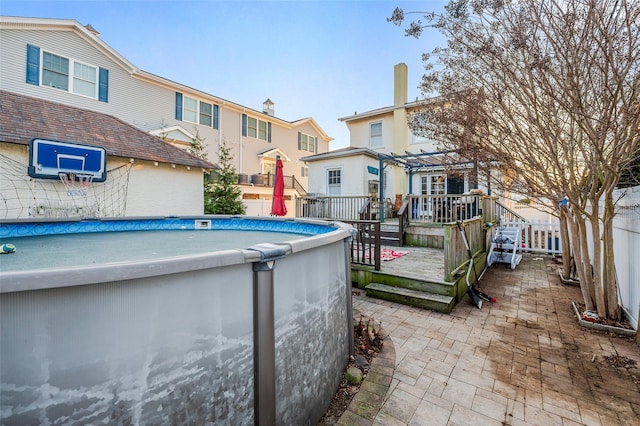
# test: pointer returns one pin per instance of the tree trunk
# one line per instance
(609, 267)
(566, 245)
(585, 264)
(576, 248)
(594, 221)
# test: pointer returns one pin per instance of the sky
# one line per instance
(320, 59)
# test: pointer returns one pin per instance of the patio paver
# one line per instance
(521, 361)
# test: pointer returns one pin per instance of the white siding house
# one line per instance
(63, 61)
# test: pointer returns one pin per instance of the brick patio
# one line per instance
(521, 361)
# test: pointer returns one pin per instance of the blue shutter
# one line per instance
(103, 85)
(33, 64)
(316, 144)
(244, 124)
(178, 106)
(216, 116)
(269, 132)
(299, 141)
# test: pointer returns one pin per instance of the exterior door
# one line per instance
(334, 182)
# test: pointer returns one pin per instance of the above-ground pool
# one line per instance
(228, 320)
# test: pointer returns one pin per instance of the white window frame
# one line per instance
(190, 109)
(308, 142)
(259, 129)
(375, 140)
(193, 113)
(71, 76)
(433, 184)
(204, 114)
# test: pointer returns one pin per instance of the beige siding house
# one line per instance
(375, 137)
(63, 61)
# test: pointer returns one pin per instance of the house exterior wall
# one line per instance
(147, 101)
(163, 191)
(151, 190)
(353, 180)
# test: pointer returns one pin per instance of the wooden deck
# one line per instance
(419, 263)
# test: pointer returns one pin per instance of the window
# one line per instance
(206, 114)
(304, 171)
(51, 70)
(254, 128)
(55, 71)
(195, 111)
(84, 79)
(307, 143)
(438, 185)
(334, 181)
(190, 109)
(262, 130)
(375, 134)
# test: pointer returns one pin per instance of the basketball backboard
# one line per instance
(48, 159)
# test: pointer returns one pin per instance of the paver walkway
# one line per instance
(521, 361)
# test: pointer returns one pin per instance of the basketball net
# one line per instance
(68, 196)
(76, 184)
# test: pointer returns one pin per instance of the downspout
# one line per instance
(240, 147)
(381, 192)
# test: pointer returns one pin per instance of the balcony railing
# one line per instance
(290, 182)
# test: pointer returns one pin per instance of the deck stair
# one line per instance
(390, 234)
(428, 294)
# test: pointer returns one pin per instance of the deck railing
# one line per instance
(445, 208)
(336, 208)
(267, 180)
(365, 246)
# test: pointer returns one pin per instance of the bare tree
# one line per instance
(555, 92)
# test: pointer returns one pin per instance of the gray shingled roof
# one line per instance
(23, 118)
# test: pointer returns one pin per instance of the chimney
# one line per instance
(400, 77)
(267, 107)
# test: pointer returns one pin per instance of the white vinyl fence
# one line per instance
(538, 236)
(626, 246)
(262, 207)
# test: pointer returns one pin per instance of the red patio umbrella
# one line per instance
(278, 207)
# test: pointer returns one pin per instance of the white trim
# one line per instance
(168, 130)
(276, 151)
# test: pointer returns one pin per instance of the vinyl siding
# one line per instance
(164, 191)
(146, 105)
